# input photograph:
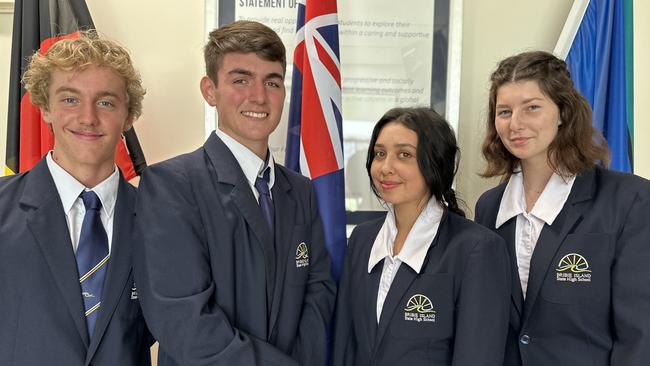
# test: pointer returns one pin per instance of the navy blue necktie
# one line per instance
(266, 204)
(92, 257)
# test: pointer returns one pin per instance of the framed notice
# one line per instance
(392, 54)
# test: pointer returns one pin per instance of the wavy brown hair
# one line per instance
(577, 147)
(76, 54)
(242, 36)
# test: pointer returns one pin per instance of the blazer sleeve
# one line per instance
(630, 289)
(483, 305)
(173, 273)
(311, 345)
(344, 349)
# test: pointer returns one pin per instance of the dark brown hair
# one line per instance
(437, 151)
(242, 36)
(577, 147)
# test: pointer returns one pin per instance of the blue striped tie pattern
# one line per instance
(92, 257)
(266, 204)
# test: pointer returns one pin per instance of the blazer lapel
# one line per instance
(119, 265)
(369, 306)
(230, 173)
(403, 279)
(283, 239)
(507, 232)
(48, 225)
(552, 237)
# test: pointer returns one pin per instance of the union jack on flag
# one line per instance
(315, 136)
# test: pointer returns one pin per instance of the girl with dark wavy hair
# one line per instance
(423, 285)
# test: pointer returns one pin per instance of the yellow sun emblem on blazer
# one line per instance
(301, 251)
(419, 303)
(573, 262)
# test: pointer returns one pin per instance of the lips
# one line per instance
(388, 185)
(254, 114)
(519, 141)
(87, 135)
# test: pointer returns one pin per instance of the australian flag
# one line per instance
(315, 136)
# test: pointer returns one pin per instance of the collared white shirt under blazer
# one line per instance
(414, 251)
(250, 164)
(530, 224)
(69, 190)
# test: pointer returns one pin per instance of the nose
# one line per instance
(516, 122)
(257, 93)
(386, 167)
(88, 114)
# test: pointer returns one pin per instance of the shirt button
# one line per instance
(525, 339)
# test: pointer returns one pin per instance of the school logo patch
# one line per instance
(573, 267)
(134, 292)
(419, 308)
(302, 255)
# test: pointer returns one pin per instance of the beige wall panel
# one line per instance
(641, 88)
(493, 30)
(6, 20)
(165, 39)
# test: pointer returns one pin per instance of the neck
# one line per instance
(87, 174)
(535, 178)
(407, 214)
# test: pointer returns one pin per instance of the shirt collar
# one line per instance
(250, 163)
(69, 188)
(417, 241)
(548, 205)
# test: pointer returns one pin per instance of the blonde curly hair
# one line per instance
(78, 53)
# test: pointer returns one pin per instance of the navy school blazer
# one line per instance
(454, 312)
(40, 297)
(216, 288)
(588, 297)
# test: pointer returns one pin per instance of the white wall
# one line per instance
(6, 20)
(492, 31)
(165, 38)
(641, 88)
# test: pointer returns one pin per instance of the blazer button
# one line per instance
(524, 339)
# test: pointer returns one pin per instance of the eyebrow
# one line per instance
(398, 145)
(525, 101)
(273, 75)
(67, 89)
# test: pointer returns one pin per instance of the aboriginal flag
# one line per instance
(37, 25)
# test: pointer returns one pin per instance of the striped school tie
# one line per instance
(92, 257)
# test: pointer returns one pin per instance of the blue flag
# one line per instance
(315, 136)
(597, 44)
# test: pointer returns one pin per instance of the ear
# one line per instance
(128, 123)
(209, 91)
(45, 114)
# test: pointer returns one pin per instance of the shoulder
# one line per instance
(492, 196)
(368, 228)
(466, 229)
(12, 183)
(612, 179)
(295, 179)
(176, 168)
(361, 240)
(487, 205)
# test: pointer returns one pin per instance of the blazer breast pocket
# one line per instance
(581, 270)
(299, 255)
(426, 311)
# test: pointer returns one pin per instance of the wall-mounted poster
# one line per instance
(392, 54)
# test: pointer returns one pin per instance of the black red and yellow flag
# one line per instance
(37, 25)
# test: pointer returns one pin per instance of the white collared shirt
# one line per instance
(530, 224)
(414, 251)
(250, 163)
(69, 190)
